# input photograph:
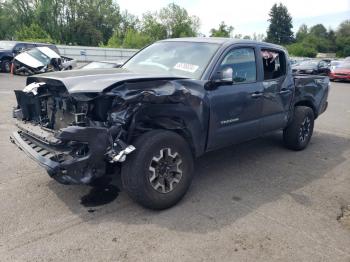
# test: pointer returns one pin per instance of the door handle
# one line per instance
(256, 94)
(284, 90)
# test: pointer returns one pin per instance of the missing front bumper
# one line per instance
(63, 162)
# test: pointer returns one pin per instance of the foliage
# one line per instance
(298, 49)
(170, 22)
(301, 33)
(178, 22)
(280, 28)
(102, 23)
(135, 39)
(320, 40)
(33, 33)
(343, 39)
(223, 30)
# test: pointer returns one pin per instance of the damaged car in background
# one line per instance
(169, 104)
(41, 60)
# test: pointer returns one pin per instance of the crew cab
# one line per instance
(9, 49)
(169, 104)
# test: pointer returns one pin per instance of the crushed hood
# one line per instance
(28, 60)
(95, 80)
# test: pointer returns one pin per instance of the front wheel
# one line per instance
(298, 134)
(6, 66)
(159, 172)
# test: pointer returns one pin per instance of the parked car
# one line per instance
(9, 49)
(103, 64)
(335, 63)
(342, 72)
(170, 103)
(313, 67)
(41, 60)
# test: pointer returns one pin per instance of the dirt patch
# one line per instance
(344, 217)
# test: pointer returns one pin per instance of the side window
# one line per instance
(274, 64)
(18, 48)
(240, 62)
(29, 46)
(322, 64)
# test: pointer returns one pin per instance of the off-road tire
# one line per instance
(135, 171)
(295, 136)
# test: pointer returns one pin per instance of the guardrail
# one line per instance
(87, 53)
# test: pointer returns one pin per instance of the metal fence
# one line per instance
(87, 53)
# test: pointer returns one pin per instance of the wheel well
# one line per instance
(183, 132)
(308, 104)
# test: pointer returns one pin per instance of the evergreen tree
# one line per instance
(280, 28)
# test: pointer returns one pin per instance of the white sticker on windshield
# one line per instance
(186, 67)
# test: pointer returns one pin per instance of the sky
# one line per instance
(249, 16)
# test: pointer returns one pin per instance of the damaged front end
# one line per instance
(77, 136)
(73, 140)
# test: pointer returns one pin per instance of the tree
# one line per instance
(223, 30)
(152, 26)
(258, 37)
(303, 31)
(135, 39)
(343, 39)
(178, 22)
(33, 33)
(319, 31)
(280, 28)
(298, 49)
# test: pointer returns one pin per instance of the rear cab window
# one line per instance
(274, 64)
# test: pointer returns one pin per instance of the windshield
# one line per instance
(39, 56)
(344, 66)
(309, 63)
(94, 65)
(183, 59)
(6, 45)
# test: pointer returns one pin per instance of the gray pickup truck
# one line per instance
(170, 103)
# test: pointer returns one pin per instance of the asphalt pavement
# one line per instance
(251, 202)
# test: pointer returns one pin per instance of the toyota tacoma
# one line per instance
(170, 103)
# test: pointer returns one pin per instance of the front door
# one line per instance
(235, 109)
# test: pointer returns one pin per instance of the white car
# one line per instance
(40, 60)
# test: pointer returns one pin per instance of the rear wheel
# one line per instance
(159, 172)
(298, 134)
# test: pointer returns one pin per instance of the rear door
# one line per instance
(277, 88)
(235, 109)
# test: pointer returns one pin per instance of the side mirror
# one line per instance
(223, 77)
(226, 74)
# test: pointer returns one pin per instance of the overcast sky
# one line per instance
(249, 16)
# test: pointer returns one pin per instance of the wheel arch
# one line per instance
(181, 121)
(307, 103)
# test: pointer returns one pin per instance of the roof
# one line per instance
(220, 41)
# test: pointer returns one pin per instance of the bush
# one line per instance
(300, 49)
(132, 39)
(33, 33)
